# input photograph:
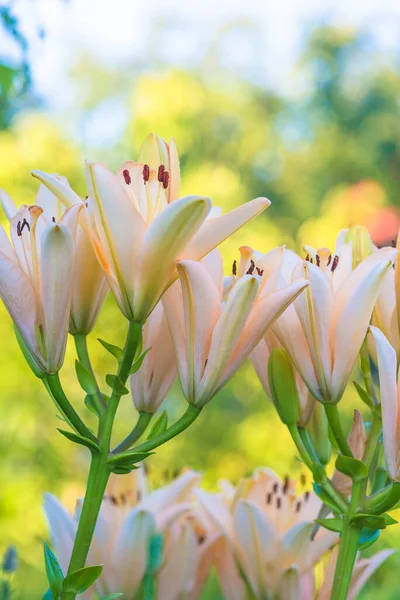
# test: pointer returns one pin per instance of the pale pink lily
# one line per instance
(215, 324)
(325, 327)
(89, 288)
(266, 537)
(389, 383)
(36, 274)
(129, 518)
(139, 229)
(152, 382)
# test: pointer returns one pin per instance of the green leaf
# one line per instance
(114, 350)
(130, 457)
(326, 498)
(159, 425)
(85, 378)
(119, 470)
(91, 404)
(368, 537)
(370, 521)
(79, 439)
(138, 363)
(331, 524)
(389, 520)
(352, 467)
(79, 581)
(365, 397)
(49, 596)
(116, 385)
(54, 573)
(155, 553)
(111, 597)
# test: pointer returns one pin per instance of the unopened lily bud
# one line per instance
(361, 243)
(318, 431)
(282, 383)
(357, 440)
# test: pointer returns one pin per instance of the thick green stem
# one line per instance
(335, 424)
(53, 385)
(140, 427)
(348, 544)
(99, 470)
(84, 359)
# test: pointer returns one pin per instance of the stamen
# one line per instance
(275, 487)
(146, 173)
(307, 258)
(160, 174)
(329, 260)
(306, 495)
(285, 486)
(138, 496)
(127, 176)
(234, 268)
(269, 498)
(298, 506)
(19, 233)
(335, 263)
(317, 260)
(278, 502)
(303, 479)
(201, 538)
(251, 268)
(165, 181)
(393, 243)
(312, 261)
(53, 219)
(259, 271)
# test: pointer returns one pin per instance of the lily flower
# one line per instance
(325, 327)
(152, 382)
(266, 532)
(36, 274)
(129, 518)
(216, 323)
(139, 228)
(390, 400)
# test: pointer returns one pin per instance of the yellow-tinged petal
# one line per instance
(162, 243)
(173, 306)
(154, 152)
(354, 302)
(56, 283)
(216, 230)
(59, 187)
(202, 308)
(387, 367)
(8, 205)
(226, 335)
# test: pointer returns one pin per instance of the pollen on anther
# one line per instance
(329, 260)
(19, 233)
(250, 270)
(165, 180)
(317, 260)
(285, 486)
(146, 173)
(306, 495)
(335, 263)
(275, 487)
(269, 498)
(278, 502)
(307, 257)
(160, 174)
(234, 268)
(298, 506)
(259, 271)
(127, 176)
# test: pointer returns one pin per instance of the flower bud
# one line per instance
(318, 431)
(361, 243)
(282, 383)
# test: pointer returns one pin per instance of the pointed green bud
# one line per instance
(361, 243)
(282, 383)
(318, 431)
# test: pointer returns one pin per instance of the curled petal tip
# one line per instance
(264, 202)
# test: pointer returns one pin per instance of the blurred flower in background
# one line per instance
(297, 102)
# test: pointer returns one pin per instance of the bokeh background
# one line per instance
(297, 101)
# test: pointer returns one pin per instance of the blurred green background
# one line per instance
(297, 104)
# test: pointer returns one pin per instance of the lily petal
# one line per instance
(8, 205)
(62, 529)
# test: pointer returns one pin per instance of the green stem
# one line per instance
(373, 438)
(335, 424)
(183, 423)
(140, 427)
(84, 359)
(53, 385)
(348, 544)
(366, 373)
(99, 470)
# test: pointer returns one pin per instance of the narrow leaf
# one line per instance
(138, 363)
(91, 404)
(159, 425)
(119, 470)
(368, 537)
(85, 378)
(365, 397)
(331, 524)
(370, 521)
(116, 384)
(128, 457)
(54, 573)
(79, 439)
(389, 520)
(114, 350)
(79, 581)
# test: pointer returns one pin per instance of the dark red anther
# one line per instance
(160, 174)
(269, 498)
(278, 502)
(234, 268)
(335, 263)
(307, 257)
(275, 487)
(393, 244)
(259, 271)
(22, 225)
(298, 506)
(306, 495)
(127, 176)
(285, 486)
(250, 270)
(329, 260)
(165, 180)
(312, 261)
(19, 232)
(317, 260)
(146, 173)
(53, 219)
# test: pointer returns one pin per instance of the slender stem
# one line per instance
(373, 438)
(140, 427)
(366, 373)
(99, 470)
(348, 544)
(84, 359)
(183, 423)
(53, 385)
(335, 424)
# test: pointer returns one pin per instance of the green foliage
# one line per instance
(159, 426)
(55, 575)
(79, 581)
(79, 439)
(352, 467)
